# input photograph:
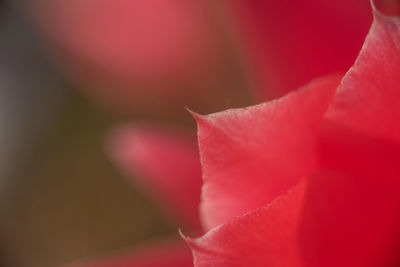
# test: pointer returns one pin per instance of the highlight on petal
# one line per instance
(166, 162)
(168, 254)
(367, 100)
(252, 155)
(263, 237)
(290, 42)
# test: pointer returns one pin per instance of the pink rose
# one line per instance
(311, 179)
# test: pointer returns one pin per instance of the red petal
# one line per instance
(368, 99)
(167, 162)
(264, 237)
(351, 213)
(252, 155)
(167, 254)
(291, 42)
(346, 214)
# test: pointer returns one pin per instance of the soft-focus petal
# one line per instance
(168, 254)
(368, 98)
(290, 42)
(264, 237)
(166, 162)
(134, 54)
(252, 155)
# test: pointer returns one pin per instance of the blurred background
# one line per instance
(70, 71)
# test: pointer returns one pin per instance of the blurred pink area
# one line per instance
(138, 55)
(158, 56)
(166, 162)
(289, 42)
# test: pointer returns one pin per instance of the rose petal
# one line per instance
(344, 214)
(290, 42)
(252, 155)
(166, 162)
(351, 213)
(168, 254)
(264, 237)
(368, 99)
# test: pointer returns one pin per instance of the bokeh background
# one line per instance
(69, 73)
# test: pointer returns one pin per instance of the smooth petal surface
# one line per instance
(252, 155)
(290, 42)
(264, 237)
(166, 162)
(368, 98)
(351, 213)
(168, 254)
(345, 213)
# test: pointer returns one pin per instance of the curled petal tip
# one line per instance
(198, 117)
(193, 113)
(181, 234)
(189, 241)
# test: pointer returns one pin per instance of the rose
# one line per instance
(323, 144)
(311, 179)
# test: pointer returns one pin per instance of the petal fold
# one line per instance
(351, 212)
(367, 100)
(264, 237)
(252, 155)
